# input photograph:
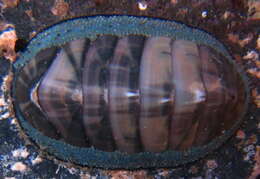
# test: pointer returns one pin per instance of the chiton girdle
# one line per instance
(119, 26)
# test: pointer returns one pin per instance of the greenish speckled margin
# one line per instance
(91, 27)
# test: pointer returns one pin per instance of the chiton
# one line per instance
(127, 92)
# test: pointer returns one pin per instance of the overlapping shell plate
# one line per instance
(142, 97)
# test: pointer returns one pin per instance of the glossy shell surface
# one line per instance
(127, 92)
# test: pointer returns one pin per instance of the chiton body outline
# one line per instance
(91, 27)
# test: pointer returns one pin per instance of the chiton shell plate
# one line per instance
(127, 92)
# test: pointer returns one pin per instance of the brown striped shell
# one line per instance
(131, 94)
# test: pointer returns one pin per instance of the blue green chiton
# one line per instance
(127, 92)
